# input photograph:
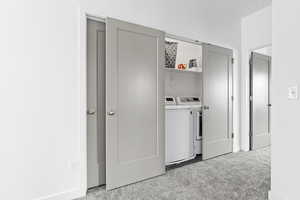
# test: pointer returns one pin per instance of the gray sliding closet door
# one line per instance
(95, 103)
(260, 102)
(135, 133)
(217, 101)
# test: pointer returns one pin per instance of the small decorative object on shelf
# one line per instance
(182, 66)
(171, 53)
(193, 63)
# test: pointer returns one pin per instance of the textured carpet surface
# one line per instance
(237, 176)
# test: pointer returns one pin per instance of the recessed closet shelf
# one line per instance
(183, 71)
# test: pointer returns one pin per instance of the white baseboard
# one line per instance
(275, 196)
(270, 195)
(66, 195)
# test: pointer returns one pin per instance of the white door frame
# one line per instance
(82, 70)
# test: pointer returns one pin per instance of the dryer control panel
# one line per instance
(188, 100)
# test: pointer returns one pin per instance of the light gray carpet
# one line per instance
(240, 176)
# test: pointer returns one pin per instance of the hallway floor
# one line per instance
(237, 176)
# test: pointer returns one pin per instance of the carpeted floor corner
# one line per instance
(236, 176)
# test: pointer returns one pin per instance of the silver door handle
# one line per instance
(111, 113)
(205, 107)
(89, 112)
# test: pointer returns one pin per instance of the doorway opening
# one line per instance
(154, 87)
(183, 91)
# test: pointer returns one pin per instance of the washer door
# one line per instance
(179, 129)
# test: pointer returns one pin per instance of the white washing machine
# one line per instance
(180, 129)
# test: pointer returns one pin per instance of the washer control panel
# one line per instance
(170, 100)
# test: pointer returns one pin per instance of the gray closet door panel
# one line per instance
(95, 103)
(217, 92)
(260, 110)
(135, 140)
(137, 84)
(261, 141)
(219, 147)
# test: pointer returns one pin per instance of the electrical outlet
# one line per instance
(293, 92)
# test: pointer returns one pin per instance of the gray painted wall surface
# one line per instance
(179, 83)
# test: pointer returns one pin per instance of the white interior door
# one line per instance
(135, 133)
(217, 101)
(95, 103)
(260, 101)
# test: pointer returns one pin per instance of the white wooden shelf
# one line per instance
(183, 71)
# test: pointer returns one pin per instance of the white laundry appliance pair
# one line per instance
(183, 129)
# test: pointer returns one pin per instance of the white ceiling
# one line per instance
(243, 8)
(232, 9)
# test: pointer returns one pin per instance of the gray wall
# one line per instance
(179, 83)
